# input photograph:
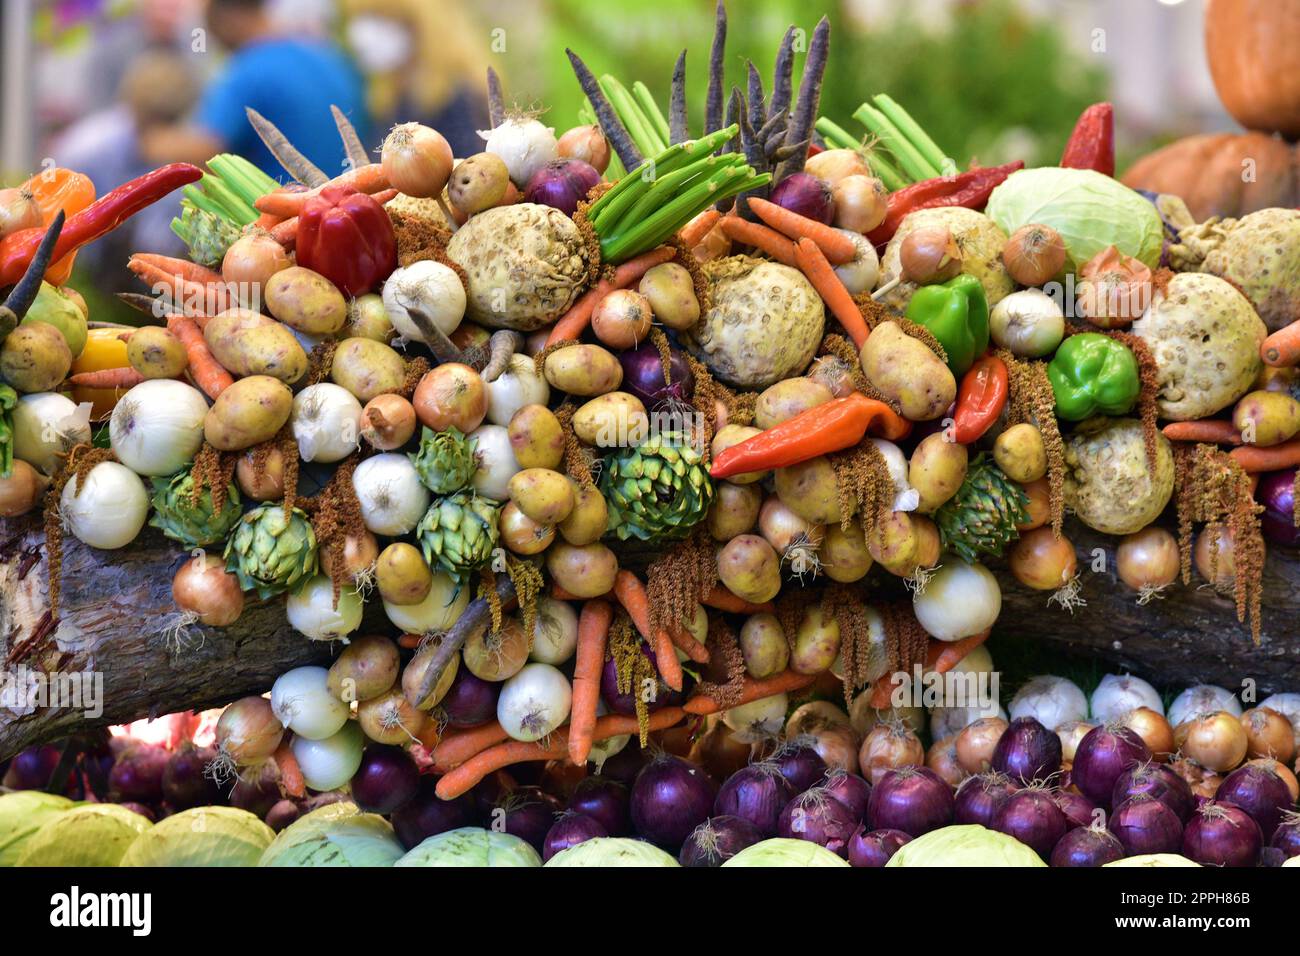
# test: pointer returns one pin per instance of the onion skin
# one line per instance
(1145, 825)
(1216, 741)
(1042, 561)
(1033, 818)
(251, 260)
(1276, 492)
(386, 779)
(757, 793)
(670, 798)
(1034, 255)
(588, 144)
(717, 840)
(417, 160)
(425, 815)
(874, 849)
(569, 830)
(977, 742)
(1157, 781)
(1079, 810)
(388, 422)
(1147, 558)
(1221, 834)
(849, 789)
(1268, 734)
(562, 184)
(606, 800)
(643, 375)
(1154, 730)
(929, 256)
(861, 202)
(800, 763)
(979, 797)
(1287, 836)
(247, 731)
(22, 490)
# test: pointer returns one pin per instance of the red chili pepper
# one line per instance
(833, 426)
(970, 189)
(980, 400)
(1092, 144)
(348, 238)
(99, 218)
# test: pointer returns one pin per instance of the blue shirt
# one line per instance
(292, 83)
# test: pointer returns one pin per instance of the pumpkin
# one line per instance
(1221, 174)
(1251, 46)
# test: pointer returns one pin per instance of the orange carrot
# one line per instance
(781, 683)
(291, 782)
(1215, 431)
(637, 605)
(593, 629)
(126, 377)
(693, 233)
(940, 657)
(200, 296)
(837, 247)
(813, 264)
(761, 237)
(183, 268)
(267, 221)
(207, 372)
(457, 746)
(1282, 348)
(364, 179)
(1253, 458)
(632, 595)
(574, 322)
(721, 599)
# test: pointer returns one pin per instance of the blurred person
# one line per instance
(290, 79)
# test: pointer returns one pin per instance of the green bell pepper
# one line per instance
(957, 314)
(1092, 373)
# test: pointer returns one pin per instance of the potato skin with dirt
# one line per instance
(536, 437)
(1020, 453)
(906, 371)
(1107, 482)
(586, 571)
(35, 357)
(588, 519)
(155, 352)
(543, 495)
(729, 435)
(611, 420)
(247, 413)
(750, 568)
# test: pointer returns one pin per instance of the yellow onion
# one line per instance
(1268, 734)
(205, 588)
(252, 259)
(977, 741)
(1148, 560)
(1216, 741)
(22, 490)
(1154, 730)
(417, 160)
(247, 731)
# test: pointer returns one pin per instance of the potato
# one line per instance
(586, 571)
(366, 668)
(583, 370)
(536, 437)
(611, 420)
(249, 343)
(367, 368)
(402, 575)
(729, 435)
(844, 554)
(671, 292)
(35, 357)
(306, 301)
(809, 490)
(764, 646)
(734, 510)
(905, 370)
(155, 352)
(1266, 417)
(816, 642)
(893, 543)
(750, 568)
(521, 534)
(936, 470)
(1019, 451)
(787, 398)
(588, 519)
(248, 413)
(545, 496)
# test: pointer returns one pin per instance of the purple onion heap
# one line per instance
(874, 848)
(980, 796)
(562, 184)
(849, 789)
(1155, 780)
(1089, 846)
(570, 829)
(799, 762)
(386, 779)
(606, 800)
(1260, 792)
(1276, 492)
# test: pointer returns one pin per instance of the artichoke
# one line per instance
(271, 553)
(193, 524)
(459, 533)
(981, 517)
(657, 490)
(445, 461)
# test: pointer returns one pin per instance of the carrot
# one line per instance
(1215, 431)
(291, 782)
(632, 595)
(183, 268)
(837, 247)
(1282, 348)
(458, 746)
(721, 599)
(693, 233)
(940, 657)
(206, 371)
(783, 682)
(462, 779)
(107, 378)
(593, 629)
(364, 179)
(1273, 458)
(813, 264)
(761, 237)
(574, 322)
(267, 221)
(201, 296)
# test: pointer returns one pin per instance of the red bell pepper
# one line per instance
(1092, 144)
(970, 189)
(348, 238)
(980, 400)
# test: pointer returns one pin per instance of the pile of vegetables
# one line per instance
(623, 433)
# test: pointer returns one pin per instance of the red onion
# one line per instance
(1102, 755)
(758, 793)
(562, 184)
(1027, 751)
(1276, 492)
(670, 798)
(137, 773)
(1271, 857)
(807, 195)
(980, 796)
(1258, 791)
(627, 763)
(626, 703)
(569, 830)
(1145, 825)
(257, 794)
(528, 813)
(818, 817)
(470, 700)
(849, 789)
(32, 768)
(1032, 817)
(876, 847)
(912, 799)
(425, 815)
(1222, 834)
(183, 782)
(1287, 835)
(1079, 810)
(282, 814)
(1087, 846)
(386, 779)
(717, 840)
(1154, 780)
(799, 762)
(643, 375)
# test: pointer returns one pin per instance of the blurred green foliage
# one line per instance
(991, 83)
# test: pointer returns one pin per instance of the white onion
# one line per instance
(860, 273)
(517, 386)
(555, 634)
(1052, 701)
(326, 422)
(906, 498)
(109, 509)
(1202, 699)
(330, 763)
(496, 461)
(437, 612)
(534, 702)
(1028, 323)
(1116, 695)
(523, 144)
(47, 424)
(602, 750)
(431, 288)
(1288, 705)
(947, 722)
(759, 718)
(311, 610)
(960, 600)
(157, 427)
(303, 703)
(392, 497)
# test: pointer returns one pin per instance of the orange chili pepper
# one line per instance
(55, 189)
(980, 400)
(832, 426)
